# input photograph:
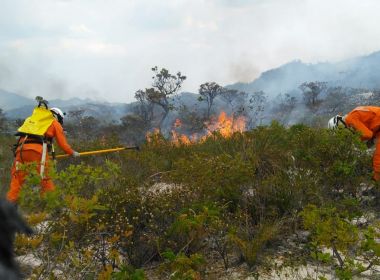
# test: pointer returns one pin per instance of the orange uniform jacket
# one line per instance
(32, 152)
(366, 119)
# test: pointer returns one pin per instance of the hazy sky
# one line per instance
(104, 49)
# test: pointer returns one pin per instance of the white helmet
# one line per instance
(334, 122)
(58, 114)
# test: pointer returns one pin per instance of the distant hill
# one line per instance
(104, 112)
(9, 101)
(360, 72)
(18, 107)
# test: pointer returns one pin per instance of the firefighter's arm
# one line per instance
(366, 133)
(61, 139)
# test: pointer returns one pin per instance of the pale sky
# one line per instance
(104, 49)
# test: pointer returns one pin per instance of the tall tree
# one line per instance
(77, 115)
(145, 108)
(256, 104)
(283, 109)
(133, 128)
(334, 101)
(192, 120)
(208, 92)
(229, 95)
(311, 91)
(82, 127)
(164, 87)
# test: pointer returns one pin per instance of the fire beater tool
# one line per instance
(89, 153)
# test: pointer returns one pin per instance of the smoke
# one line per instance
(243, 71)
(33, 79)
(5, 74)
(298, 114)
(112, 47)
(56, 87)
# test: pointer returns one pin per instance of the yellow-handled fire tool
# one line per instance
(101, 151)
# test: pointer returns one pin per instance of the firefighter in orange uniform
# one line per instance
(366, 120)
(32, 150)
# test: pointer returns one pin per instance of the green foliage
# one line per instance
(251, 245)
(334, 229)
(6, 158)
(190, 228)
(182, 267)
(330, 227)
(232, 198)
(129, 273)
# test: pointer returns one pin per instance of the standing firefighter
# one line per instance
(366, 120)
(35, 140)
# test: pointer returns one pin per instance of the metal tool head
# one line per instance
(42, 101)
(39, 98)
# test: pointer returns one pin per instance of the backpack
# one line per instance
(33, 131)
(38, 123)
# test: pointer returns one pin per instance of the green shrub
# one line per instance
(227, 197)
(182, 267)
(354, 248)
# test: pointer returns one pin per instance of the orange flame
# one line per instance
(151, 135)
(180, 138)
(224, 124)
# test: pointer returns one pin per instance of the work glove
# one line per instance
(75, 154)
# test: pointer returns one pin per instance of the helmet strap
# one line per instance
(340, 119)
(58, 117)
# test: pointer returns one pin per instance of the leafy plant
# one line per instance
(182, 267)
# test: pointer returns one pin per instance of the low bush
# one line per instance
(177, 204)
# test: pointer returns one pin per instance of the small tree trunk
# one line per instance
(209, 103)
(166, 112)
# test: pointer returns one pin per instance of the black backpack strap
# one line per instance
(15, 146)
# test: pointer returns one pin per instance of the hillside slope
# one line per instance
(360, 72)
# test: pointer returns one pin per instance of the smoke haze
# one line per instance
(103, 50)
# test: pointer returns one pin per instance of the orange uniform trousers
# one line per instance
(18, 176)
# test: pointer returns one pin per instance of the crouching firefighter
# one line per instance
(366, 120)
(35, 140)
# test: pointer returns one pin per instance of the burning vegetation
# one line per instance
(223, 125)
